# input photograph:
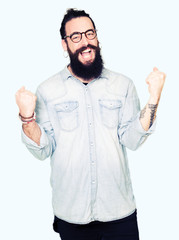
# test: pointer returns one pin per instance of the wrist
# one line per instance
(29, 124)
(26, 116)
(154, 99)
(27, 120)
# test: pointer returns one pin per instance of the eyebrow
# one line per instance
(81, 32)
(74, 33)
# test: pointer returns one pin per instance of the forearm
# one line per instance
(32, 130)
(148, 114)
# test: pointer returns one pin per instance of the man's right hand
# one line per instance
(26, 102)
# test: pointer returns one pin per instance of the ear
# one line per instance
(64, 45)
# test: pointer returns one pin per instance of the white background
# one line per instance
(135, 36)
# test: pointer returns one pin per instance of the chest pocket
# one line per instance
(110, 112)
(68, 115)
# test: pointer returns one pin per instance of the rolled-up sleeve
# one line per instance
(131, 133)
(47, 142)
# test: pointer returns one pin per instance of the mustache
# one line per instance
(84, 48)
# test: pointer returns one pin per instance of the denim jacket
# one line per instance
(85, 132)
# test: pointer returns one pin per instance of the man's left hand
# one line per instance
(155, 81)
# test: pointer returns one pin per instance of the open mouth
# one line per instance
(86, 54)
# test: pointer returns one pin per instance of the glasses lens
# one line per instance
(90, 34)
(76, 37)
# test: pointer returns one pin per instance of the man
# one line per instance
(86, 117)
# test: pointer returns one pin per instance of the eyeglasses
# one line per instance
(77, 36)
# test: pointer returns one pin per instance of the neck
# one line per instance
(81, 79)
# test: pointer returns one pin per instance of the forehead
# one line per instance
(80, 24)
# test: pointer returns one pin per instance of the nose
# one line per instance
(84, 40)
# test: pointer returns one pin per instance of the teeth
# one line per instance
(86, 51)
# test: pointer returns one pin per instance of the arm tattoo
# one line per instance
(153, 108)
(142, 113)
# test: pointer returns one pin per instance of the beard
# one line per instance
(90, 70)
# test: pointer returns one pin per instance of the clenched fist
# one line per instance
(155, 81)
(26, 102)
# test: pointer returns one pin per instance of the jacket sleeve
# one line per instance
(131, 133)
(47, 140)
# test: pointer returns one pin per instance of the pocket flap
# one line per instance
(110, 104)
(66, 106)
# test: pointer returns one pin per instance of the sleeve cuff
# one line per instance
(141, 130)
(33, 145)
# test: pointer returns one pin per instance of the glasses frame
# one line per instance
(85, 33)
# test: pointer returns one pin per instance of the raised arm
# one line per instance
(137, 125)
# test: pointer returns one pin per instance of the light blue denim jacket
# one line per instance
(85, 132)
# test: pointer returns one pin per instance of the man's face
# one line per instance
(80, 24)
